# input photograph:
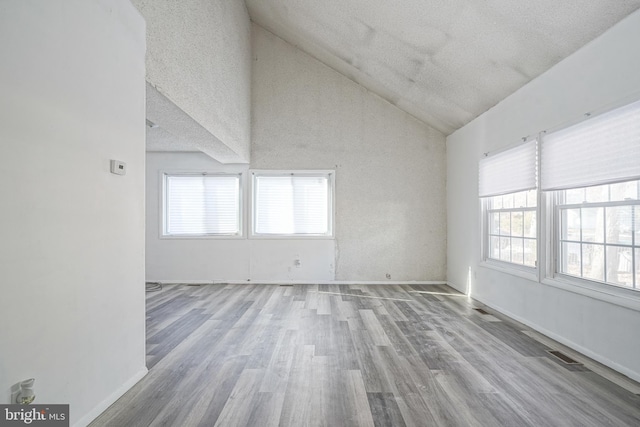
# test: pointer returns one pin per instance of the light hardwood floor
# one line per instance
(329, 355)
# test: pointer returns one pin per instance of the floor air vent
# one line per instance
(566, 359)
(286, 285)
(481, 311)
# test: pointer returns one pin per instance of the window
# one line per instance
(293, 204)
(201, 205)
(599, 233)
(508, 184)
(591, 174)
(512, 228)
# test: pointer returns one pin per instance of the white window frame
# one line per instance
(549, 247)
(163, 205)
(329, 174)
(553, 248)
(520, 270)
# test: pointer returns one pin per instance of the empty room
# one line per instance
(303, 213)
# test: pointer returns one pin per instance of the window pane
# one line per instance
(532, 198)
(570, 224)
(494, 247)
(507, 201)
(292, 205)
(505, 252)
(505, 224)
(517, 250)
(529, 224)
(624, 191)
(516, 224)
(599, 193)
(496, 202)
(571, 259)
(593, 225)
(201, 205)
(619, 266)
(530, 252)
(520, 199)
(494, 223)
(593, 262)
(619, 224)
(574, 196)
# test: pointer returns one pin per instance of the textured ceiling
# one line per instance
(443, 61)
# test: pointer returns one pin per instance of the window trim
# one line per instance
(515, 269)
(163, 174)
(549, 242)
(553, 276)
(324, 173)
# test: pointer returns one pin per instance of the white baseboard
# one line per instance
(102, 406)
(302, 282)
(461, 289)
(562, 340)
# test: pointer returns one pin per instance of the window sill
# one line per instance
(514, 270)
(289, 237)
(611, 294)
(204, 237)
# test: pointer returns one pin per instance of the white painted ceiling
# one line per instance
(443, 61)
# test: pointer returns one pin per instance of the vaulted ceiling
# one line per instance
(443, 61)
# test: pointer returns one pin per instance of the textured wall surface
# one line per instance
(603, 73)
(72, 253)
(390, 168)
(199, 58)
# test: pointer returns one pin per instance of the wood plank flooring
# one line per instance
(337, 355)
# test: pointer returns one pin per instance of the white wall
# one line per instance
(390, 168)
(199, 58)
(390, 183)
(225, 259)
(72, 253)
(603, 73)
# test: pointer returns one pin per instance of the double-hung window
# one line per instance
(599, 233)
(200, 205)
(507, 186)
(295, 204)
(591, 173)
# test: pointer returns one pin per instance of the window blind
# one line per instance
(202, 204)
(599, 150)
(509, 171)
(292, 205)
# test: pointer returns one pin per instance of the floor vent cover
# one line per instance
(286, 285)
(566, 359)
(481, 311)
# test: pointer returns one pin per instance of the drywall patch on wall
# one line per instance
(199, 58)
(72, 257)
(390, 168)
